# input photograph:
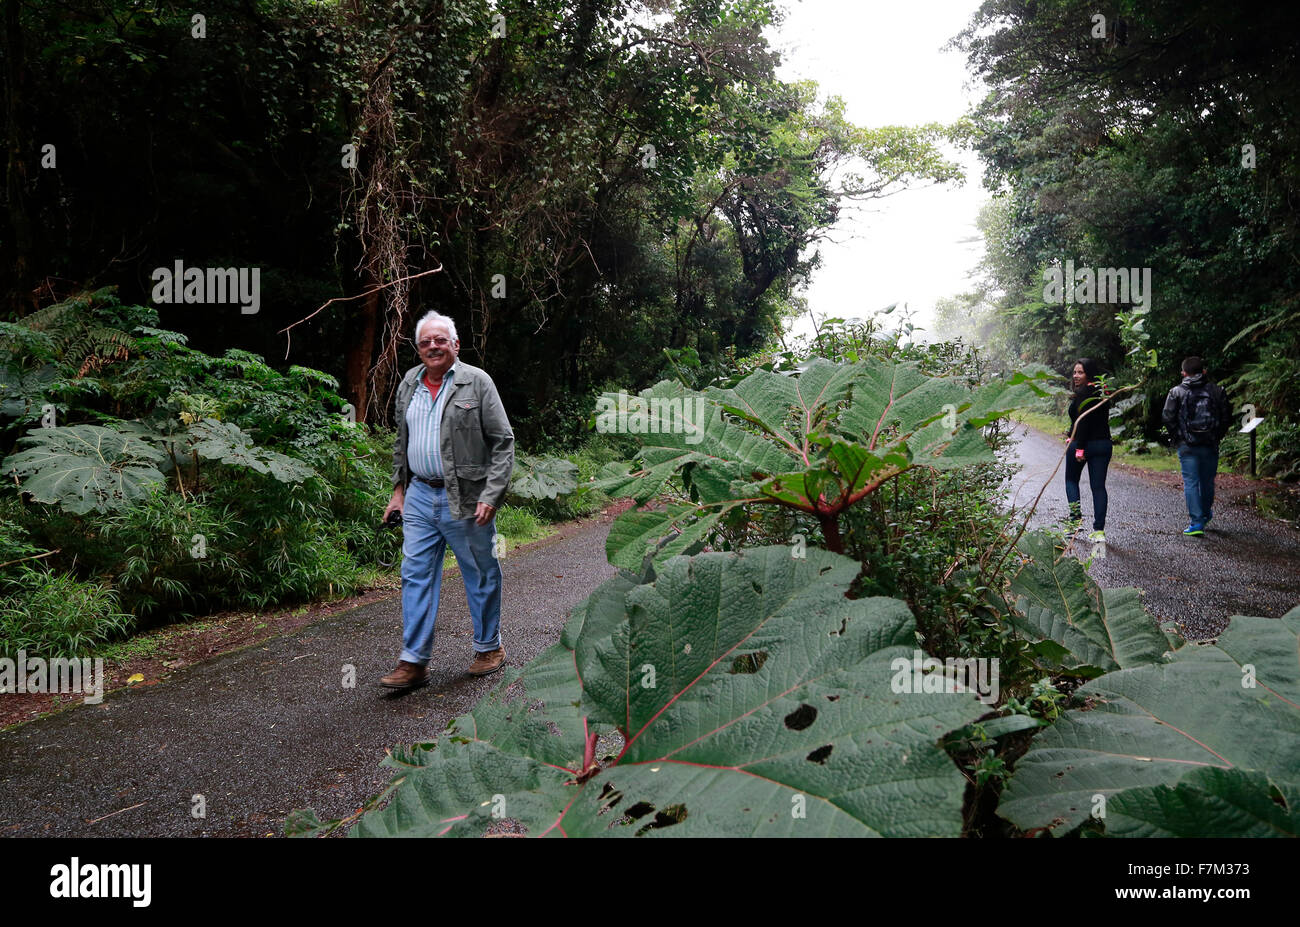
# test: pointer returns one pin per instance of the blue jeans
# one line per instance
(1200, 462)
(1096, 456)
(427, 529)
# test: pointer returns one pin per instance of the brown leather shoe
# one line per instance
(406, 675)
(488, 662)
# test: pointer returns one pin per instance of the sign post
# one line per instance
(1249, 428)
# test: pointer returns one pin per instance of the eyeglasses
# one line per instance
(440, 342)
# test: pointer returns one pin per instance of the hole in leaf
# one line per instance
(673, 814)
(613, 794)
(748, 662)
(823, 571)
(757, 588)
(819, 755)
(802, 717)
(832, 698)
(640, 809)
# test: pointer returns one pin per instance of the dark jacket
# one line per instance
(477, 442)
(1172, 416)
(1095, 425)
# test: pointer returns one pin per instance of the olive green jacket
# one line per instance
(477, 443)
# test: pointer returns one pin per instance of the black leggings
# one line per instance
(1096, 455)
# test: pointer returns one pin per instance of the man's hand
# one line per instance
(396, 502)
(483, 513)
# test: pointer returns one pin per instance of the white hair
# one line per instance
(436, 318)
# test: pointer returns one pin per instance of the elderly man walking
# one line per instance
(452, 461)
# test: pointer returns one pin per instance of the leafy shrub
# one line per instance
(519, 524)
(175, 555)
(53, 614)
(190, 482)
(735, 684)
(538, 478)
(817, 443)
(589, 457)
(676, 660)
(17, 550)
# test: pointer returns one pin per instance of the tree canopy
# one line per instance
(578, 184)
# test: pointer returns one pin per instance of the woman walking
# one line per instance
(1090, 447)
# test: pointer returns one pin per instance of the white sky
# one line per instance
(884, 59)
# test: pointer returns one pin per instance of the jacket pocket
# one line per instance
(468, 448)
(470, 491)
(464, 411)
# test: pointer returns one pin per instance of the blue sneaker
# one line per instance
(1194, 530)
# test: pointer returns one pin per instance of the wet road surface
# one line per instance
(1246, 564)
(262, 731)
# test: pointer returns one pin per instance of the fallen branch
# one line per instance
(343, 299)
(48, 553)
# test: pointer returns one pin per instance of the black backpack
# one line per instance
(1198, 417)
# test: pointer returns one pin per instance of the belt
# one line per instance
(436, 484)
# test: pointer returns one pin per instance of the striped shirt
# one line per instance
(424, 428)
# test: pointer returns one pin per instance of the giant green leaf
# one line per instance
(228, 443)
(1207, 802)
(1232, 704)
(677, 427)
(23, 394)
(818, 442)
(790, 408)
(83, 468)
(637, 533)
(543, 477)
(752, 697)
(1101, 630)
(932, 421)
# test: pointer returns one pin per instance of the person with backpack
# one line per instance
(1198, 416)
(1091, 447)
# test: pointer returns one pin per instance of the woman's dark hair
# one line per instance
(1090, 367)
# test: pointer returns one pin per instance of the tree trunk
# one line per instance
(360, 353)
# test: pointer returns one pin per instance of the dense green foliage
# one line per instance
(609, 194)
(737, 683)
(1164, 144)
(592, 178)
(1172, 738)
(817, 443)
(766, 690)
(148, 480)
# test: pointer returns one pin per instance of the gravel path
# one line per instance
(262, 731)
(1246, 564)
